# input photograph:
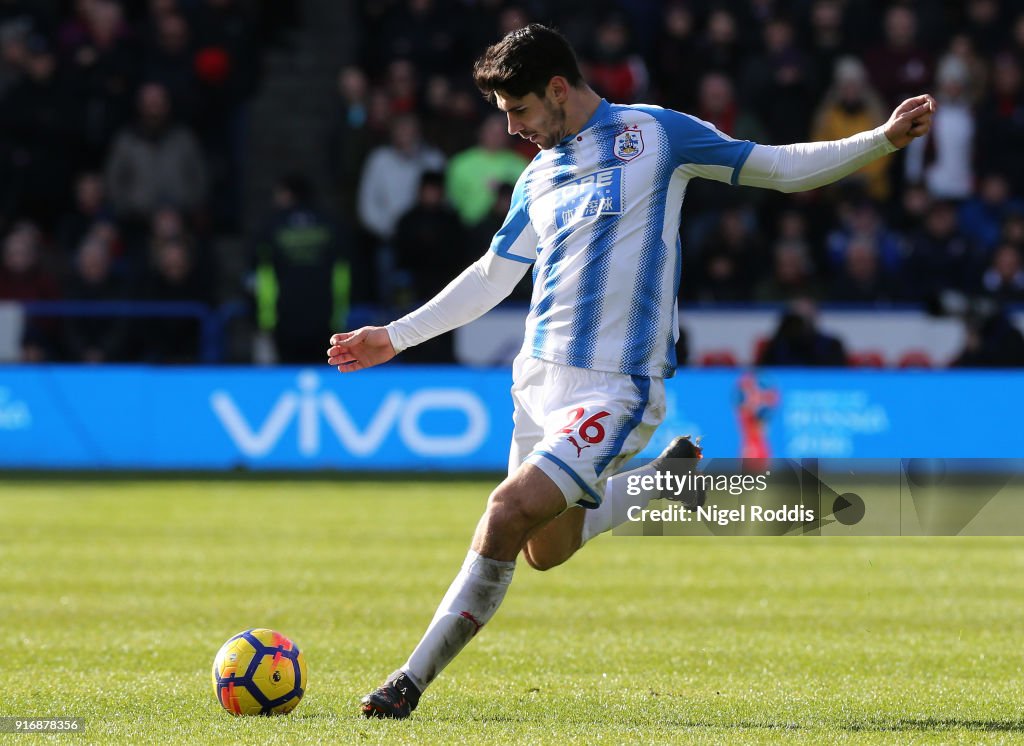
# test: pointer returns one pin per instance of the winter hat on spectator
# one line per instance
(850, 69)
(952, 70)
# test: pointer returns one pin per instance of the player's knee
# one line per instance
(509, 509)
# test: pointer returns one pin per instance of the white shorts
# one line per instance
(580, 426)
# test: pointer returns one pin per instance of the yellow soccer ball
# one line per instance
(259, 672)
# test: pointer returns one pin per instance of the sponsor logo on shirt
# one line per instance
(594, 195)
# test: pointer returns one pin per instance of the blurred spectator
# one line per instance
(430, 250)
(992, 342)
(914, 203)
(1004, 278)
(14, 34)
(798, 225)
(862, 280)
(24, 278)
(675, 58)
(728, 261)
(798, 342)
(351, 137)
(962, 48)
(451, 117)
(1016, 44)
(1013, 229)
(610, 66)
(168, 224)
(900, 67)
(430, 242)
(860, 218)
(89, 206)
(421, 31)
(169, 62)
(480, 237)
(722, 278)
(792, 275)
(950, 174)
(780, 84)
(717, 104)
(103, 68)
(392, 174)
(155, 162)
(92, 339)
(985, 25)
(852, 106)
(511, 18)
(826, 39)
(174, 277)
(299, 274)
(720, 47)
(474, 175)
(40, 115)
(1001, 121)
(940, 257)
(982, 216)
(402, 87)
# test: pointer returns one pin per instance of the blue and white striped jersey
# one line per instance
(598, 217)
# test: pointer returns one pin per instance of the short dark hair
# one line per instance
(524, 61)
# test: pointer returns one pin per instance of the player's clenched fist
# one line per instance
(912, 118)
(363, 348)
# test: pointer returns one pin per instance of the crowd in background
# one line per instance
(944, 216)
(118, 148)
(120, 131)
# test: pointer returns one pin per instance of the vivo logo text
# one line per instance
(397, 409)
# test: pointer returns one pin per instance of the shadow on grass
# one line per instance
(926, 724)
(902, 725)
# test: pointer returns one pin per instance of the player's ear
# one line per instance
(558, 89)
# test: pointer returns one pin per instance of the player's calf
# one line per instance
(556, 541)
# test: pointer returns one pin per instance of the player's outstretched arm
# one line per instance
(483, 285)
(363, 348)
(803, 166)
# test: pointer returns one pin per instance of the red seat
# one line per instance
(866, 359)
(718, 359)
(915, 359)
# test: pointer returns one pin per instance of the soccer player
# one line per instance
(596, 214)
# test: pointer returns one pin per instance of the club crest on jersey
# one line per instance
(629, 144)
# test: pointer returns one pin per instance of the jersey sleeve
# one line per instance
(699, 148)
(517, 240)
(802, 166)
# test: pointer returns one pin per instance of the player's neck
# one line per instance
(583, 102)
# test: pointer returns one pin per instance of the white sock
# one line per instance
(469, 604)
(615, 506)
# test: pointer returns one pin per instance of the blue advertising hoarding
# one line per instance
(449, 418)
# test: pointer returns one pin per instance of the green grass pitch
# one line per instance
(116, 595)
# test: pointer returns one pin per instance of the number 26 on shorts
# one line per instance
(591, 429)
